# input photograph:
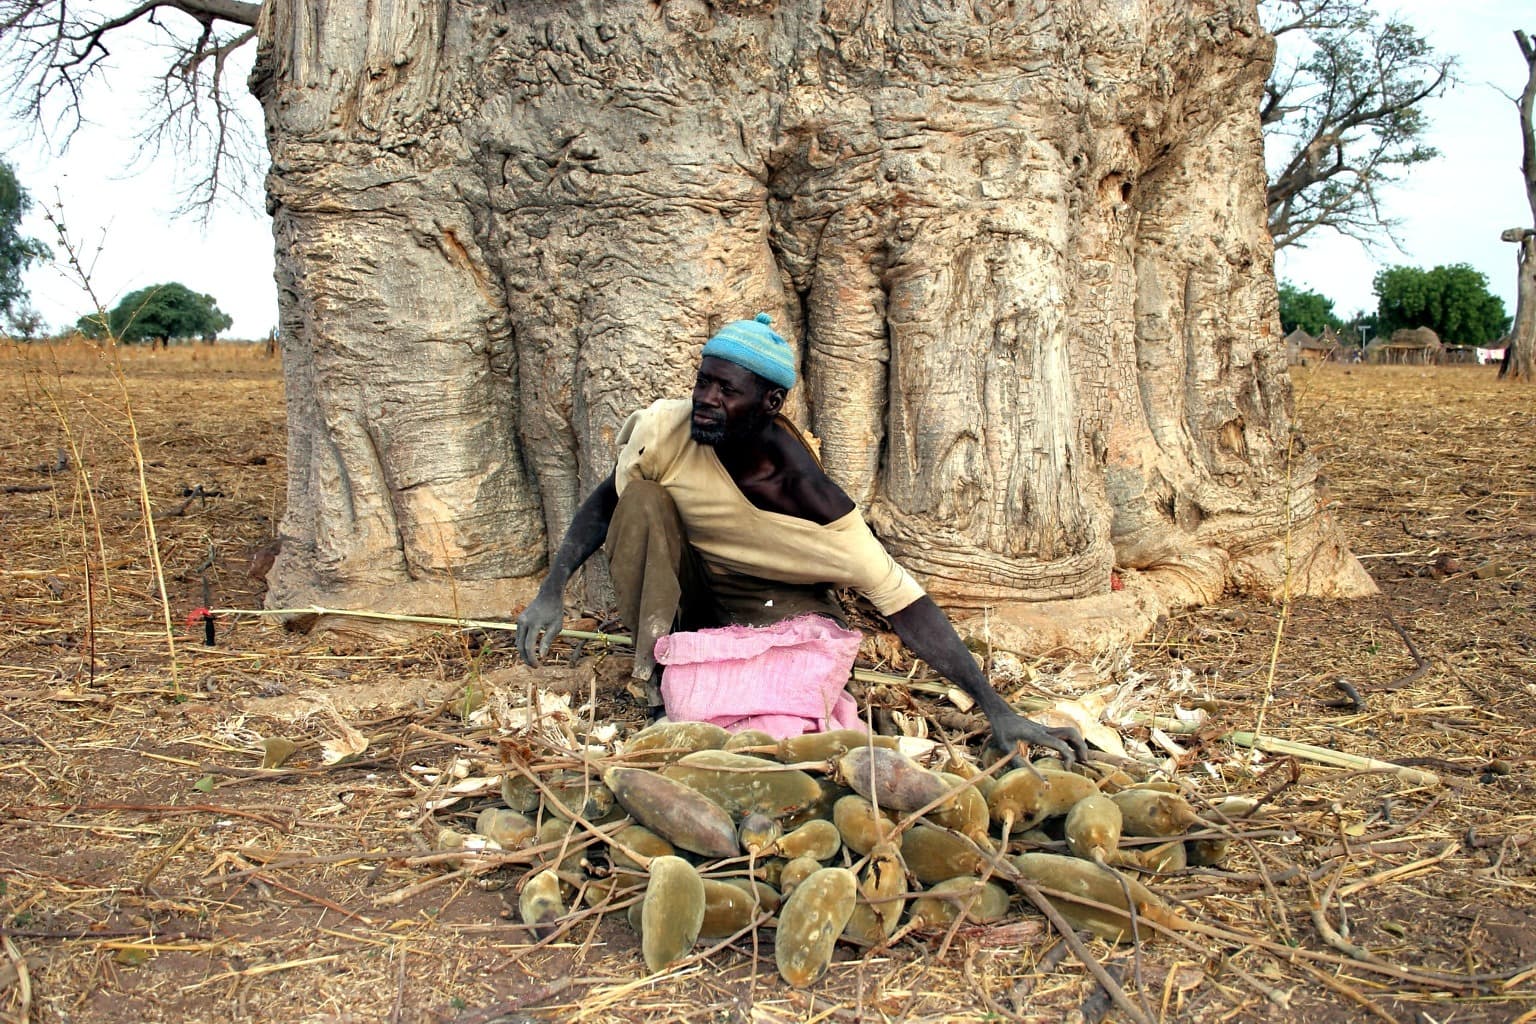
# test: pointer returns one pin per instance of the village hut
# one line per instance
(1295, 343)
(1408, 346)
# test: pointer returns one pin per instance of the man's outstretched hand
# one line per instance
(1009, 729)
(538, 626)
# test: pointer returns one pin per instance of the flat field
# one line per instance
(152, 871)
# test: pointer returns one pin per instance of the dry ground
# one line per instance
(150, 872)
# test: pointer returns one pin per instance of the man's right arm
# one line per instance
(540, 622)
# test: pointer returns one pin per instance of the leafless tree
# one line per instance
(57, 51)
(1520, 359)
(1343, 118)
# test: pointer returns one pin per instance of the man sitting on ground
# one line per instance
(718, 513)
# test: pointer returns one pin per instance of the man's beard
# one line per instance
(726, 430)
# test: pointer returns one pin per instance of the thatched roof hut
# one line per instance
(1295, 342)
(1409, 346)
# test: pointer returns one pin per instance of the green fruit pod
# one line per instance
(672, 912)
(1083, 878)
(862, 827)
(797, 870)
(743, 784)
(681, 815)
(727, 909)
(1150, 812)
(828, 746)
(665, 742)
(883, 886)
(965, 811)
(1062, 792)
(541, 903)
(766, 895)
(641, 840)
(757, 833)
(751, 739)
(943, 904)
(934, 854)
(1017, 798)
(810, 921)
(818, 840)
(1093, 828)
(519, 793)
(509, 828)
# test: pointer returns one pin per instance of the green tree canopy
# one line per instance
(160, 312)
(17, 252)
(1308, 310)
(1454, 301)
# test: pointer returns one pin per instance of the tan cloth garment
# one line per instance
(662, 584)
(734, 536)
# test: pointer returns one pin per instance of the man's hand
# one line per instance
(1009, 729)
(538, 626)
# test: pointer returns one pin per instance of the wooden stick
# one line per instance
(1322, 755)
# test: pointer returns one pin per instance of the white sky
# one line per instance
(120, 204)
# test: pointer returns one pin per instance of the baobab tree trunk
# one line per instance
(1021, 249)
(1520, 357)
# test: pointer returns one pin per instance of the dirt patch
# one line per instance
(154, 873)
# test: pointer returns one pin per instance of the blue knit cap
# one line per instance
(754, 345)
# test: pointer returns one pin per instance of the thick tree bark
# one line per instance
(1021, 248)
(1520, 357)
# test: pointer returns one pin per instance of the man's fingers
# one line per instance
(549, 638)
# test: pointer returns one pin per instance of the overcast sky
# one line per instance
(120, 203)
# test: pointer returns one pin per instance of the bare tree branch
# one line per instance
(57, 51)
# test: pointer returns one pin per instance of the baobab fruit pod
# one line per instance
(519, 793)
(795, 871)
(727, 909)
(1150, 812)
(934, 854)
(965, 811)
(1016, 798)
(742, 784)
(757, 833)
(810, 921)
(768, 897)
(641, 840)
(665, 742)
(828, 746)
(818, 840)
(579, 795)
(941, 906)
(861, 826)
(883, 884)
(1062, 791)
(962, 768)
(831, 792)
(672, 913)
(1159, 859)
(510, 829)
(681, 815)
(751, 739)
(1100, 884)
(890, 780)
(1093, 828)
(541, 904)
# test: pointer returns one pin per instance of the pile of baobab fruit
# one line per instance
(702, 834)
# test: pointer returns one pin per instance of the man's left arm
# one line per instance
(928, 633)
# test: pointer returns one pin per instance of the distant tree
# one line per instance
(1520, 359)
(1308, 310)
(1452, 300)
(162, 312)
(17, 252)
(1342, 115)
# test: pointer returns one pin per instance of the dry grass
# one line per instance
(154, 874)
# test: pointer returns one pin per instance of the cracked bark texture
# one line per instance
(1019, 246)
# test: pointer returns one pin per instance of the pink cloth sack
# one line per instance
(785, 679)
